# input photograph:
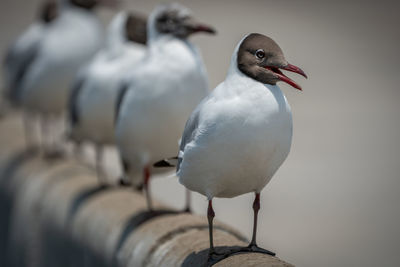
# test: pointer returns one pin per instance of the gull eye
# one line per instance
(260, 54)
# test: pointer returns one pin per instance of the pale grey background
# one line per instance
(336, 200)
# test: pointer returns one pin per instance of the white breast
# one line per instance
(20, 51)
(164, 92)
(69, 43)
(98, 97)
(244, 135)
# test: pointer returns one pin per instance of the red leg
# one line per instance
(146, 182)
(188, 200)
(253, 244)
(210, 216)
(256, 208)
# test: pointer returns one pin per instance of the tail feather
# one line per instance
(166, 163)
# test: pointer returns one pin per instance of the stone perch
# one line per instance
(55, 214)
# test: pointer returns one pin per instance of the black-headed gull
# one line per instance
(238, 137)
(22, 50)
(161, 94)
(93, 99)
(68, 43)
(19, 56)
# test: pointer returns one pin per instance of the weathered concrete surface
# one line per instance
(54, 213)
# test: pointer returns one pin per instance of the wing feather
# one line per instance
(73, 104)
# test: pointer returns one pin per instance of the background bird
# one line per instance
(93, 99)
(22, 52)
(68, 43)
(162, 92)
(239, 135)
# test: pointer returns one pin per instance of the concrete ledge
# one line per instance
(55, 214)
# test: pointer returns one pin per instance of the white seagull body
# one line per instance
(93, 105)
(20, 52)
(239, 135)
(67, 44)
(237, 138)
(23, 50)
(162, 93)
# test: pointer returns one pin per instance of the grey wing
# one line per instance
(189, 133)
(121, 94)
(73, 107)
(20, 63)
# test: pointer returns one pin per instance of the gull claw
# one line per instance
(253, 248)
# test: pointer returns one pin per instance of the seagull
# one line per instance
(161, 94)
(93, 98)
(21, 53)
(241, 133)
(68, 43)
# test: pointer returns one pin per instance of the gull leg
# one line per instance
(124, 183)
(28, 130)
(188, 202)
(253, 244)
(125, 170)
(99, 171)
(146, 181)
(78, 149)
(44, 134)
(213, 255)
(256, 208)
(49, 142)
(210, 217)
(57, 143)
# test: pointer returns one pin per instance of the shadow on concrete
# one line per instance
(15, 163)
(10, 169)
(134, 222)
(201, 258)
(83, 197)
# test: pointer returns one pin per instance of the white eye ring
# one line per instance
(260, 54)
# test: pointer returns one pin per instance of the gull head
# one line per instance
(261, 58)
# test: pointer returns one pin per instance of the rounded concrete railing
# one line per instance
(54, 213)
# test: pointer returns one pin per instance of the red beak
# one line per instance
(203, 28)
(295, 69)
(284, 78)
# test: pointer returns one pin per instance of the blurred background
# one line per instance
(335, 201)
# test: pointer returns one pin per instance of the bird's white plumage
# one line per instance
(19, 51)
(163, 92)
(237, 138)
(70, 41)
(101, 81)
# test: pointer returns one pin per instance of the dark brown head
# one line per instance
(176, 20)
(91, 4)
(260, 58)
(48, 11)
(136, 28)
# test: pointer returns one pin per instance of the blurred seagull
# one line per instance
(22, 50)
(239, 136)
(68, 43)
(161, 94)
(94, 96)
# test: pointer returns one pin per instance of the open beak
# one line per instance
(284, 78)
(195, 27)
(203, 28)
